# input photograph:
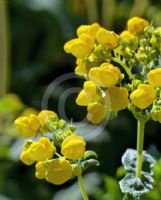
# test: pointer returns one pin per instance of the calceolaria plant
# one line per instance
(55, 149)
(122, 71)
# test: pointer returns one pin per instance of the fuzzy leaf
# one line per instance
(88, 163)
(129, 161)
(89, 154)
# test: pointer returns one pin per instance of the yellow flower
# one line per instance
(137, 24)
(59, 171)
(24, 157)
(40, 170)
(73, 147)
(88, 94)
(117, 98)
(143, 96)
(107, 38)
(44, 117)
(106, 75)
(88, 29)
(27, 126)
(126, 35)
(154, 77)
(96, 112)
(41, 150)
(82, 68)
(80, 47)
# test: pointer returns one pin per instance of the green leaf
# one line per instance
(89, 154)
(88, 163)
(112, 187)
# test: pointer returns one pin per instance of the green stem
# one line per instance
(82, 188)
(140, 143)
(125, 67)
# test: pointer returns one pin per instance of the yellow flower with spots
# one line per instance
(154, 77)
(106, 75)
(73, 147)
(107, 38)
(44, 117)
(58, 171)
(143, 96)
(41, 150)
(118, 97)
(88, 94)
(137, 24)
(96, 112)
(40, 170)
(27, 126)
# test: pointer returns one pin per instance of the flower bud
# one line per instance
(76, 169)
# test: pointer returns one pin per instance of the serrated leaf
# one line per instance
(89, 154)
(88, 163)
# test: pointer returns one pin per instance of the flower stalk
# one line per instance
(140, 144)
(82, 187)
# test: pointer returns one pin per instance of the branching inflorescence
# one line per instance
(58, 153)
(121, 71)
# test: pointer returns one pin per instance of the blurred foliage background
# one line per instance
(32, 36)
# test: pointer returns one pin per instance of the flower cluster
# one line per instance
(58, 158)
(120, 69)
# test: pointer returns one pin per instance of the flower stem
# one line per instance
(125, 67)
(82, 187)
(140, 143)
